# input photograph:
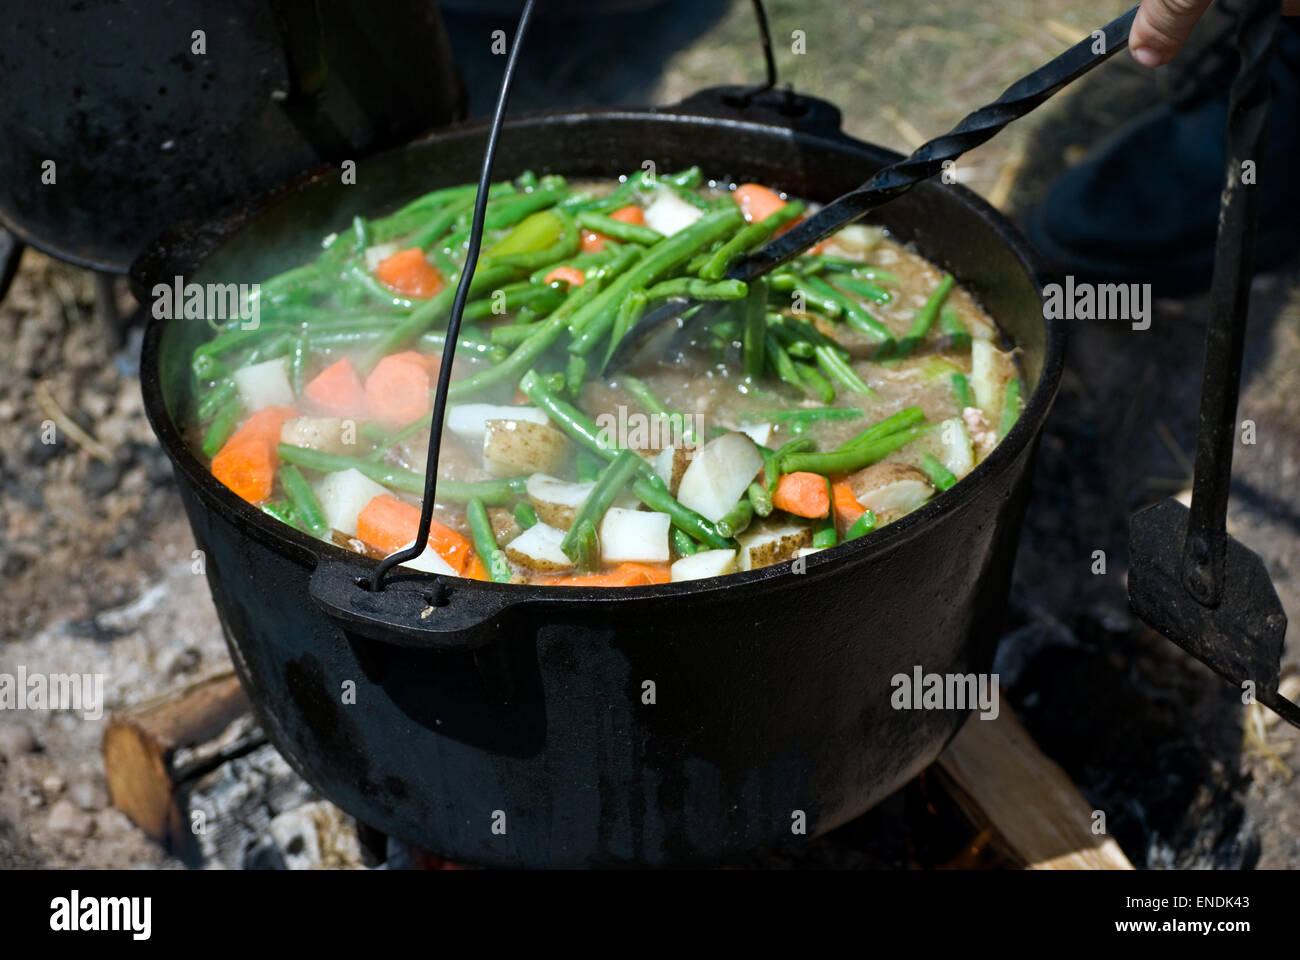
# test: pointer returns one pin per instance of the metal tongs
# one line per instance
(896, 179)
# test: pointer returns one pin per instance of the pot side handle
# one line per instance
(775, 107)
(413, 609)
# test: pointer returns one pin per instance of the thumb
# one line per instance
(1161, 28)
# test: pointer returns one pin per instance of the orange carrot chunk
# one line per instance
(629, 214)
(398, 389)
(248, 460)
(570, 275)
(593, 242)
(337, 390)
(803, 494)
(847, 508)
(757, 202)
(388, 524)
(624, 575)
(408, 272)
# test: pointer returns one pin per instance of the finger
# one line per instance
(1161, 28)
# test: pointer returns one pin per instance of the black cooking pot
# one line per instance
(677, 724)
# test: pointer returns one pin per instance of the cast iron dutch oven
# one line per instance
(677, 724)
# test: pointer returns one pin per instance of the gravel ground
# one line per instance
(95, 554)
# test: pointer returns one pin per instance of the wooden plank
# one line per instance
(1002, 781)
(153, 749)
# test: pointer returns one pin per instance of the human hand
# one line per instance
(1163, 26)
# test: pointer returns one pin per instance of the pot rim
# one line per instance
(305, 549)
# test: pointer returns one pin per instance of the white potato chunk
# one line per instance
(718, 476)
(990, 369)
(469, 420)
(890, 489)
(320, 433)
(636, 535)
(706, 563)
(556, 501)
(264, 385)
(343, 495)
(538, 548)
(958, 454)
(429, 562)
(512, 447)
(760, 433)
(669, 213)
(767, 543)
(670, 464)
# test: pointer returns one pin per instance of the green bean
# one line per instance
(698, 289)
(683, 544)
(907, 417)
(272, 349)
(525, 515)
(785, 282)
(485, 542)
(588, 467)
(575, 372)
(297, 365)
(853, 458)
(618, 229)
(781, 362)
(207, 367)
(651, 491)
(441, 221)
(567, 417)
(303, 500)
(515, 365)
(1010, 407)
(222, 426)
(614, 478)
(437, 342)
(543, 299)
(216, 398)
(865, 523)
(794, 346)
(760, 498)
(813, 414)
(491, 492)
(836, 366)
(598, 284)
(510, 210)
(737, 519)
(754, 337)
(824, 532)
(511, 335)
(280, 511)
(749, 238)
(629, 312)
(952, 327)
(854, 314)
(814, 382)
(864, 288)
(842, 264)
(230, 340)
(594, 320)
(772, 459)
(961, 388)
(940, 476)
(526, 180)
(585, 549)
(921, 323)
